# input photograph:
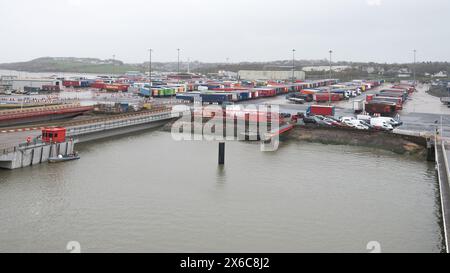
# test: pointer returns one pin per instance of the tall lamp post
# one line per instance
(415, 51)
(114, 64)
(293, 65)
(331, 75)
(178, 69)
(150, 68)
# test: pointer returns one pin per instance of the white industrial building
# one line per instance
(20, 84)
(335, 68)
(252, 75)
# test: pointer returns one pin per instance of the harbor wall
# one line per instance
(34, 154)
(398, 143)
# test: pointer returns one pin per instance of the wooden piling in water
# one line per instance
(222, 153)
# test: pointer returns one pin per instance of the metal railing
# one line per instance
(115, 124)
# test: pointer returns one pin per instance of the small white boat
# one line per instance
(62, 158)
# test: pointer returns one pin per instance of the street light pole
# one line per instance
(331, 69)
(415, 51)
(150, 68)
(293, 65)
(178, 61)
(189, 66)
(114, 64)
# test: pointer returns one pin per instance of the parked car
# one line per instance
(333, 122)
(357, 124)
(347, 119)
(310, 120)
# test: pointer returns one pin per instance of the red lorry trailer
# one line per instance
(70, 83)
(397, 100)
(324, 97)
(409, 88)
(321, 110)
(384, 108)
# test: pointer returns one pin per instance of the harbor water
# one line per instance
(149, 193)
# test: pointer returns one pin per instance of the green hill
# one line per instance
(76, 65)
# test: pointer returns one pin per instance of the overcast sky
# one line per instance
(214, 30)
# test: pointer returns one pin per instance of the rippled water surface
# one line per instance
(150, 193)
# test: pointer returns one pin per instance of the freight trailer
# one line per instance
(98, 85)
(163, 92)
(29, 89)
(71, 83)
(325, 97)
(403, 96)
(321, 110)
(383, 108)
(116, 87)
(51, 88)
(410, 88)
(397, 101)
(358, 106)
(218, 98)
(266, 92)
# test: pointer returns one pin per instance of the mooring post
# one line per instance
(222, 153)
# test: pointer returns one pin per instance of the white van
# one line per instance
(391, 121)
(365, 118)
(380, 123)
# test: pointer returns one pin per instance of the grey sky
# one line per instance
(213, 30)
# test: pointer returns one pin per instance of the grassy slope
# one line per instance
(51, 65)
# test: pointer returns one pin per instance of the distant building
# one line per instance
(6, 82)
(335, 68)
(20, 84)
(441, 74)
(252, 75)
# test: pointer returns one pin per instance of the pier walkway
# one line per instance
(21, 155)
(107, 128)
(442, 165)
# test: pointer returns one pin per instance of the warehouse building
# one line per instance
(20, 84)
(252, 75)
